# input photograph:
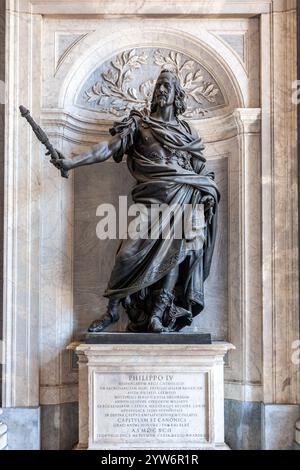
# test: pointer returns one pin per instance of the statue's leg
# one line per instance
(160, 303)
(162, 299)
(111, 316)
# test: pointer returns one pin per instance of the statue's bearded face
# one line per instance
(164, 92)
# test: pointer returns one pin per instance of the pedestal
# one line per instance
(151, 396)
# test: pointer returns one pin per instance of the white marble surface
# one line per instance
(297, 433)
(232, 140)
(148, 7)
(279, 426)
(152, 396)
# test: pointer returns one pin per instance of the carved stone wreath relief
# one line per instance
(127, 81)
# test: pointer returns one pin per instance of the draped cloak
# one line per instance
(142, 263)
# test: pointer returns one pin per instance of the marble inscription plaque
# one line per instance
(151, 407)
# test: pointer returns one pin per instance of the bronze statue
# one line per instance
(159, 281)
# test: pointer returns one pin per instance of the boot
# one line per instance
(161, 302)
(111, 316)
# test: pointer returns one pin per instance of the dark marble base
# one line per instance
(23, 428)
(147, 338)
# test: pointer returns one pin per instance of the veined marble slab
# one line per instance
(158, 396)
